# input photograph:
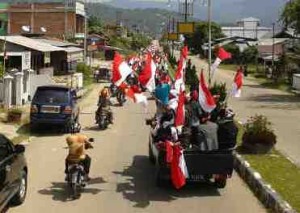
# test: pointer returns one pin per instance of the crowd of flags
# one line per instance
(148, 64)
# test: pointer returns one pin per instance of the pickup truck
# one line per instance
(202, 165)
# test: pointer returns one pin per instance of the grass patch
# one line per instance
(259, 77)
(88, 81)
(278, 171)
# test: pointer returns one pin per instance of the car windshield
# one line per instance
(51, 96)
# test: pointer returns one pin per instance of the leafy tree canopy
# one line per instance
(291, 15)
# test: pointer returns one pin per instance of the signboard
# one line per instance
(173, 36)
(186, 27)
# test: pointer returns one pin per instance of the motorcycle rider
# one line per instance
(104, 104)
(77, 144)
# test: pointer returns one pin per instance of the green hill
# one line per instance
(151, 21)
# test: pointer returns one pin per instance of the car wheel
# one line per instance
(20, 196)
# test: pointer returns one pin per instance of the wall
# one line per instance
(39, 80)
(265, 50)
(51, 16)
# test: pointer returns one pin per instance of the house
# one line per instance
(265, 47)
(45, 56)
(247, 28)
(54, 19)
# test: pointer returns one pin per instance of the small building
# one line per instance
(247, 28)
(265, 47)
(45, 56)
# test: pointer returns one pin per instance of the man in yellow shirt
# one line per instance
(77, 145)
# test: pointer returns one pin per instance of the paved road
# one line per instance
(282, 108)
(122, 177)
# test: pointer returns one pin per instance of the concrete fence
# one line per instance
(19, 87)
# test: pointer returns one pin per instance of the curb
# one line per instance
(264, 192)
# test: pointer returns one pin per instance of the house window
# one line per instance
(1, 24)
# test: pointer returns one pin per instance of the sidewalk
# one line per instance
(282, 109)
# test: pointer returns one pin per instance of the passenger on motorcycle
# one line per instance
(77, 145)
(104, 104)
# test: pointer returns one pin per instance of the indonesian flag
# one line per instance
(180, 112)
(147, 76)
(237, 84)
(179, 171)
(222, 55)
(181, 66)
(206, 100)
(120, 70)
(136, 95)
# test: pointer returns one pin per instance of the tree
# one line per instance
(95, 25)
(291, 16)
(235, 52)
(200, 36)
(249, 55)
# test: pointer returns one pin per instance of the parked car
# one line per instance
(13, 173)
(54, 105)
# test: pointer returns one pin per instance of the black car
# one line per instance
(13, 173)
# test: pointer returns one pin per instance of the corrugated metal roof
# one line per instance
(269, 41)
(73, 49)
(31, 43)
(55, 42)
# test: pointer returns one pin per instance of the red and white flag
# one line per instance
(237, 84)
(222, 55)
(147, 76)
(180, 112)
(120, 70)
(179, 76)
(179, 171)
(206, 100)
(136, 95)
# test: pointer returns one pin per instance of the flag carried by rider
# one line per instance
(179, 81)
(237, 84)
(180, 112)
(120, 70)
(221, 56)
(206, 99)
(147, 76)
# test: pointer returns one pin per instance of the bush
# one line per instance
(84, 69)
(259, 136)
(219, 89)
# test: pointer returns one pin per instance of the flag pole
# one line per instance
(209, 41)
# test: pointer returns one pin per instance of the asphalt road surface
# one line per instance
(122, 177)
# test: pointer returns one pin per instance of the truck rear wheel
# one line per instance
(220, 183)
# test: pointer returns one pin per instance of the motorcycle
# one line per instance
(76, 178)
(102, 119)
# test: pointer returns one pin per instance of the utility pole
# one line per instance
(85, 34)
(273, 47)
(209, 41)
(185, 10)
